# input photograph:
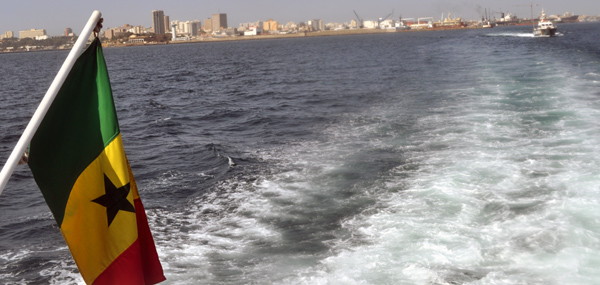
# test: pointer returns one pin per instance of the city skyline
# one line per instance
(55, 16)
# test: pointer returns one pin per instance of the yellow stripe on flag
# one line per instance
(93, 243)
(134, 190)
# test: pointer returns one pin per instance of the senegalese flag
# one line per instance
(77, 159)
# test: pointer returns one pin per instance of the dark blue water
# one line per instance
(444, 157)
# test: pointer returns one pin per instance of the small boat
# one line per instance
(544, 27)
(401, 25)
(487, 24)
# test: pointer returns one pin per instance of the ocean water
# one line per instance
(450, 157)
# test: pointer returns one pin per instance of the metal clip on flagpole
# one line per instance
(94, 24)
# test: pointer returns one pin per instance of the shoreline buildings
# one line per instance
(217, 26)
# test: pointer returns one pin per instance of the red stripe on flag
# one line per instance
(153, 271)
(125, 269)
(139, 264)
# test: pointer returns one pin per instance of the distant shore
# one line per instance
(294, 35)
(208, 39)
(328, 33)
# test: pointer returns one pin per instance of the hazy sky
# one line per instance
(56, 15)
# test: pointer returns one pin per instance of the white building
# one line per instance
(32, 33)
(253, 31)
(315, 25)
(291, 26)
(370, 24)
(138, 30)
(387, 24)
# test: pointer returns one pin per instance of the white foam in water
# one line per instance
(518, 35)
(214, 229)
(507, 202)
(521, 35)
(492, 206)
(57, 272)
(499, 186)
(62, 273)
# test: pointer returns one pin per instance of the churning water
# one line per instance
(452, 157)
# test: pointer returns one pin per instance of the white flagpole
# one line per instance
(42, 109)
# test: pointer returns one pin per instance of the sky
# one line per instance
(56, 15)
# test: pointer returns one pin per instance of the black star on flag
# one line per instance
(114, 200)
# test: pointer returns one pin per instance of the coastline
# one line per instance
(328, 33)
(289, 36)
(210, 39)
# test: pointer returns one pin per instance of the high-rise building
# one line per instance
(219, 21)
(167, 25)
(158, 22)
(68, 32)
(195, 28)
(208, 25)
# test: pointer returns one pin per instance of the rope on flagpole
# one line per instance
(94, 24)
(98, 27)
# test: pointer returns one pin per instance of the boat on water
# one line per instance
(487, 24)
(544, 27)
(401, 25)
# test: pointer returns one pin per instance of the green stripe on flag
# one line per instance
(79, 124)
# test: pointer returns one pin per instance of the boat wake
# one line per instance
(522, 35)
(516, 35)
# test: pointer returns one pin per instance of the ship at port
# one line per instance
(486, 22)
(450, 22)
(512, 20)
(545, 27)
(568, 18)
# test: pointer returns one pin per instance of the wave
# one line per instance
(520, 35)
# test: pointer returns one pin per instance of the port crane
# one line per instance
(488, 14)
(499, 13)
(383, 19)
(360, 21)
(531, 5)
